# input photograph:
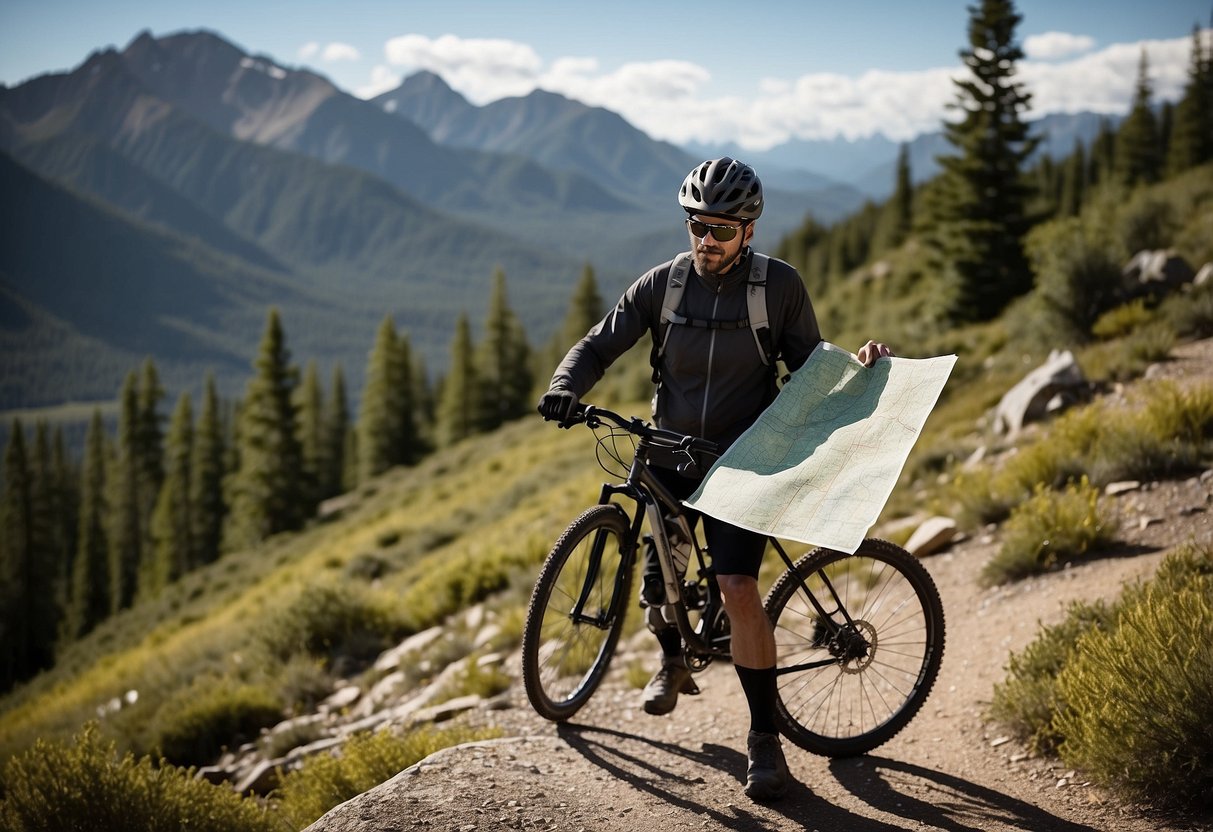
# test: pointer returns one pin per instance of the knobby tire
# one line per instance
(859, 699)
(564, 661)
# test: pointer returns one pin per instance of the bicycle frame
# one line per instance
(654, 501)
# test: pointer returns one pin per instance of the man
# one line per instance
(713, 380)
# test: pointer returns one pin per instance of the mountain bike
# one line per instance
(859, 637)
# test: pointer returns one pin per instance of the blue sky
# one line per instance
(758, 73)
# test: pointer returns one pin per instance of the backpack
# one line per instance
(756, 303)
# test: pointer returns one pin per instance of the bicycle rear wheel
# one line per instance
(847, 689)
(576, 612)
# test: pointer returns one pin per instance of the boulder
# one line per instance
(261, 779)
(341, 700)
(1203, 276)
(1052, 386)
(1156, 272)
(934, 534)
(390, 659)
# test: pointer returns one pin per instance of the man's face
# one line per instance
(711, 256)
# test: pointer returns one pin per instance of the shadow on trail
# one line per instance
(949, 802)
(606, 748)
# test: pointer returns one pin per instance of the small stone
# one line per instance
(1146, 522)
(1123, 487)
(999, 741)
(1061, 784)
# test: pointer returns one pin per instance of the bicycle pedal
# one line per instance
(689, 688)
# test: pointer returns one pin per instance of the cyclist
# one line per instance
(712, 381)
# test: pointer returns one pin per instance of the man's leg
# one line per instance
(753, 648)
(674, 677)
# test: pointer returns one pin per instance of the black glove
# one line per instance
(558, 406)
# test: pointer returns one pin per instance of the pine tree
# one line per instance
(423, 398)
(379, 417)
(502, 362)
(898, 214)
(585, 310)
(16, 562)
(336, 424)
(412, 448)
(90, 589)
(124, 527)
(207, 506)
(457, 407)
(1137, 142)
(1102, 164)
(66, 510)
(150, 448)
(1192, 134)
(983, 207)
(310, 407)
(1073, 182)
(172, 553)
(46, 559)
(266, 491)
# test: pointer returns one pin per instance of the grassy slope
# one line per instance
(499, 497)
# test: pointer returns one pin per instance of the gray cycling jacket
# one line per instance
(712, 382)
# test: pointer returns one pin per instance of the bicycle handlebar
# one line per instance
(593, 416)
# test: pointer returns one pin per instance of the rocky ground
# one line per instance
(615, 769)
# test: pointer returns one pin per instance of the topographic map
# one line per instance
(821, 461)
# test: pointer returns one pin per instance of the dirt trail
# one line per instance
(617, 769)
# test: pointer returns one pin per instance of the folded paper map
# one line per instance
(821, 461)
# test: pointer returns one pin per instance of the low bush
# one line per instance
(1191, 313)
(476, 680)
(365, 761)
(1122, 320)
(197, 723)
(346, 624)
(1139, 700)
(1027, 700)
(86, 784)
(1051, 528)
(1121, 690)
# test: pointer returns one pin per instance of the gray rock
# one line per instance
(261, 779)
(342, 699)
(1029, 400)
(1204, 275)
(1153, 272)
(390, 659)
(1114, 488)
(934, 534)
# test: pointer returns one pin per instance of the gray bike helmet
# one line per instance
(725, 187)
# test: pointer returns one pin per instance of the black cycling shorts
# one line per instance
(735, 551)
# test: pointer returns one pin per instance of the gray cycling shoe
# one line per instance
(767, 777)
(661, 693)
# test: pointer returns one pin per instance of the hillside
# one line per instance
(615, 768)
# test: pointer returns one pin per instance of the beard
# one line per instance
(714, 262)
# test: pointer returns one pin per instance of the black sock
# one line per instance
(759, 688)
(670, 641)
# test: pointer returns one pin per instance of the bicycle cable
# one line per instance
(608, 443)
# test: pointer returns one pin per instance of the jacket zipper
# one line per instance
(707, 387)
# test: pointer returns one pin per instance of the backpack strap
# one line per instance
(756, 308)
(676, 285)
(756, 302)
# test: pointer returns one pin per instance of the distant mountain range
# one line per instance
(159, 198)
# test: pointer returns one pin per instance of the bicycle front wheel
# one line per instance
(850, 684)
(576, 612)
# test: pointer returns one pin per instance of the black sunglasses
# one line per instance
(722, 233)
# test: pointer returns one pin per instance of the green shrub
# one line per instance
(1122, 320)
(87, 785)
(344, 624)
(1051, 528)
(484, 682)
(366, 761)
(302, 683)
(196, 724)
(1077, 267)
(1139, 699)
(1027, 700)
(1121, 690)
(1191, 313)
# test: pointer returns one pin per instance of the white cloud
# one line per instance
(672, 100)
(1104, 81)
(308, 51)
(482, 69)
(340, 52)
(1053, 45)
(382, 80)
